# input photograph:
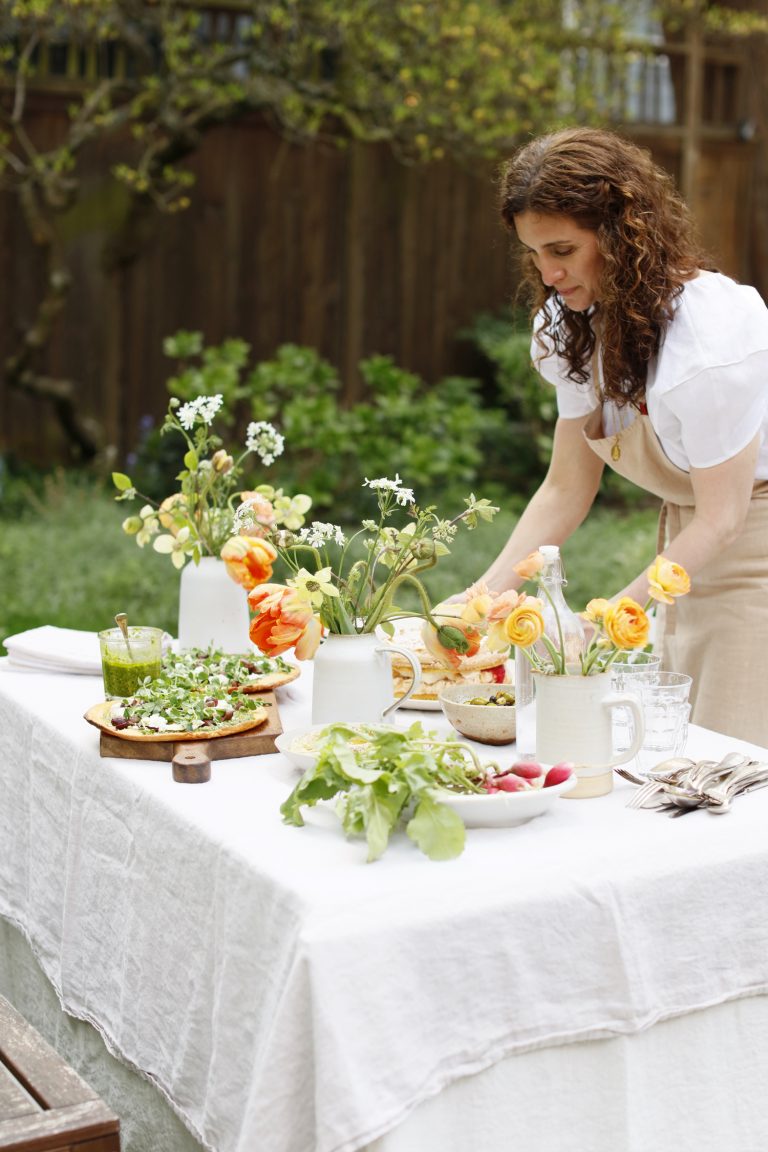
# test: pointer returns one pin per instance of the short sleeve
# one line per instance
(573, 400)
(717, 412)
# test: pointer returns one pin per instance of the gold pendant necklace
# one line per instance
(616, 446)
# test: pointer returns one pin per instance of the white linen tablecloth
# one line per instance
(285, 995)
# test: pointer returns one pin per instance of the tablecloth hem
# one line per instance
(112, 1047)
(442, 1079)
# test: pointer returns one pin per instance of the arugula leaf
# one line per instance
(387, 777)
(437, 829)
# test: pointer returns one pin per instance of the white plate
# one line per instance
(505, 809)
(421, 705)
(300, 757)
(285, 741)
(495, 810)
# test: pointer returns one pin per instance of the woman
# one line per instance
(661, 370)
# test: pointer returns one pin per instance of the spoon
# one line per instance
(122, 622)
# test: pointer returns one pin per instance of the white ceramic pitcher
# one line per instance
(352, 679)
(574, 722)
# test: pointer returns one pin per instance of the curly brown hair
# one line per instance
(645, 235)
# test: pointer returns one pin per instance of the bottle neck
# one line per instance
(559, 618)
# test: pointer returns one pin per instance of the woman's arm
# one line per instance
(559, 505)
(722, 496)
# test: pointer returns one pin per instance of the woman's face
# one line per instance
(566, 256)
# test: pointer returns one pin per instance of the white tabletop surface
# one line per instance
(286, 995)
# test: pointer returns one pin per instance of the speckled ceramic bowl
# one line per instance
(486, 723)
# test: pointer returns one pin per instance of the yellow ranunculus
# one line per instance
(626, 624)
(595, 610)
(525, 624)
(666, 580)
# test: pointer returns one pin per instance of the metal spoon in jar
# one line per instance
(122, 622)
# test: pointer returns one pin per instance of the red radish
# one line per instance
(510, 783)
(558, 773)
(528, 769)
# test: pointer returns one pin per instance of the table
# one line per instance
(552, 988)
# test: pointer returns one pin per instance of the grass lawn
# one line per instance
(64, 559)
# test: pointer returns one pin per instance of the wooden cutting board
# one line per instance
(191, 759)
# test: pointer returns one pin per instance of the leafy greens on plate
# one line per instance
(391, 780)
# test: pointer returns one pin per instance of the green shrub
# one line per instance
(433, 437)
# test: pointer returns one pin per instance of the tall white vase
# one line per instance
(213, 609)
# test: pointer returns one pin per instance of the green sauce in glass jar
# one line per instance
(122, 678)
(124, 671)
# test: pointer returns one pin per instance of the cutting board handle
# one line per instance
(191, 763)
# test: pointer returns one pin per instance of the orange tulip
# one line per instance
(282, 620)
(249, 560)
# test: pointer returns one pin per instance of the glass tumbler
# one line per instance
(666, 711)
(126, 665)
(628, 671)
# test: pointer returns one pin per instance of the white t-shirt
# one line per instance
(707, 389)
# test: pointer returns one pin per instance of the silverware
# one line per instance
(680, 785)
(720, 796)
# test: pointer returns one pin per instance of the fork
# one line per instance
(644, 793)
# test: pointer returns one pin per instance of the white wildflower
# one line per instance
(187, 415)
(402, 495)
(208, 406)
(264, 439)
(318, 534)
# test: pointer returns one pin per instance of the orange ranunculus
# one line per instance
(262, 511)
(505, 603)
(283, 620)
(595, 610)
(249, 560)
(525, 623)
(529, 567)
(451, 616)
(666, 580)
(626, 624)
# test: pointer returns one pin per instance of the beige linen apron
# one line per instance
(718, 633)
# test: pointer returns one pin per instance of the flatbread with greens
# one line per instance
(247, 672)
(187, 702)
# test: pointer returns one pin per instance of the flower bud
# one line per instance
(222, 462)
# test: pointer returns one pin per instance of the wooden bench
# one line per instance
(44, 1105)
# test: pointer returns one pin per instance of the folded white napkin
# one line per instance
(52, 649)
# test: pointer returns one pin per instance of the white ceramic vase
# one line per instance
(352, 679)
(574, 722)
(213, 609)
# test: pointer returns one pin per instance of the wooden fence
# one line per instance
(347, 251)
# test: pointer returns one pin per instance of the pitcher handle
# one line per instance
(415, 676)
(631, 701)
